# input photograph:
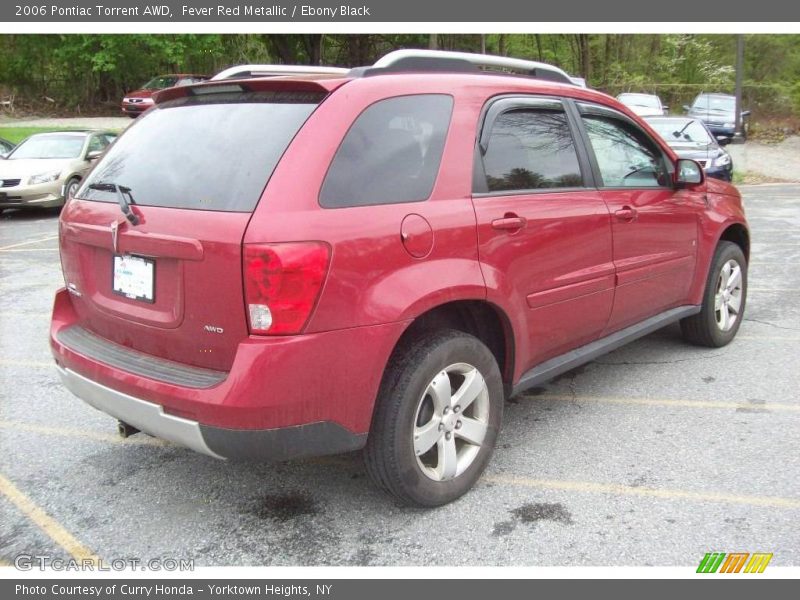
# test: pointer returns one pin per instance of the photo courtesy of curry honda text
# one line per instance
(277, 267)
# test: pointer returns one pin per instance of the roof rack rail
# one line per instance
(445, 61)
(247, 71)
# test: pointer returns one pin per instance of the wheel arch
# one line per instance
(739, 235)
(482, 319)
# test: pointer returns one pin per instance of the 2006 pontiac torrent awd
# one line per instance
(280, 267)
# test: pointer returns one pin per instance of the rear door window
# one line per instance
(531, 149)
(391, 154)
(207, 152)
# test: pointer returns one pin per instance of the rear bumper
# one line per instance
(283, 397)
(720, 130)
(312, 439)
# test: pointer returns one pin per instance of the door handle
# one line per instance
(509, 223)
(626, 213)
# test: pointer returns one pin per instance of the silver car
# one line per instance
(644, 105)
(46, 168)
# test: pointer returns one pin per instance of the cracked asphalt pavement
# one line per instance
(652, 455)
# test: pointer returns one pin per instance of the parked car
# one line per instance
(718, 112)
(690, 138)
(274, 268)
(136, 102)
(644, 105)
(5, 147)
(44, 169)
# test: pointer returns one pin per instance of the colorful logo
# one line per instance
(721, 562)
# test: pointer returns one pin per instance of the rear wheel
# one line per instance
(436, 420)
(723, 302)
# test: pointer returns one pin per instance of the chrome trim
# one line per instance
(145, 416)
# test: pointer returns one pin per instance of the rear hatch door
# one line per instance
(192, 170)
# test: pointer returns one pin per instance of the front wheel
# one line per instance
(71, 187)
(437, 418)
(723, 302)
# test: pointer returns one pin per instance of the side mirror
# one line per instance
(93, 155)
(745, 113)
(665, 108)
(688, 173)
(686, 107)
(723, 141)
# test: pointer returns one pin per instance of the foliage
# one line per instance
(82, 71)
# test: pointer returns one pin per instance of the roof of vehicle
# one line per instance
(75, 132)
(637, 94)
(717, 94)
(667, 118)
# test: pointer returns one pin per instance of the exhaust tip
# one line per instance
(125, 430)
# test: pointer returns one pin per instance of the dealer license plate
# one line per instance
(134, 277)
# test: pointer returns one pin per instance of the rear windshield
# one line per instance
(205, 152)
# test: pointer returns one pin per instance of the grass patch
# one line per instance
(751, 178)
(17, 134)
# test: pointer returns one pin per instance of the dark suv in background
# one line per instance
(718, 112)
(279, 267)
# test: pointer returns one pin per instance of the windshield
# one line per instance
(159, 83)
(679, 131)
(49, 146)
(646, 100)
(205, 152)
(718, 103)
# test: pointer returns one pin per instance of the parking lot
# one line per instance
(652, 455)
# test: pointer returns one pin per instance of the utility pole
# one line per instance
(739, 137)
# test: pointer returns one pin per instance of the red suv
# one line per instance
(283, 267)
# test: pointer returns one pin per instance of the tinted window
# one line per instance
(625, 157)
(531, 149)
(391, 154)
(210, 152)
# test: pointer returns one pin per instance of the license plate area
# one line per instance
(134, 277)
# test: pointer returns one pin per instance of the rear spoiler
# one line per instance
(324, 86)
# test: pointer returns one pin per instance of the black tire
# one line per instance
(73, 181)
(703, 328)
(389, 455)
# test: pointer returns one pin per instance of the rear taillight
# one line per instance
(282, 283)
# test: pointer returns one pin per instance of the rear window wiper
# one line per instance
(124, 203)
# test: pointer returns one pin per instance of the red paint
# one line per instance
(563, 268)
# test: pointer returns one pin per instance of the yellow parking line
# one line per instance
(11, 362)
(628, 490)
(769, 338)
(47, 239)
(138, 440)
(553, 484)
(31, 250)
(26, 315)
(46, 523)
(665, 402)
